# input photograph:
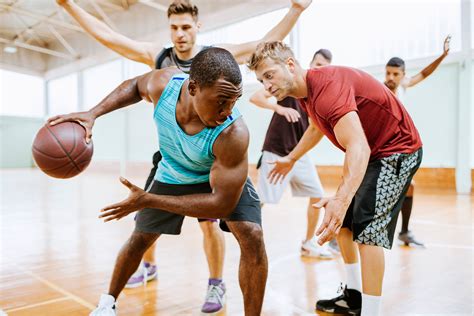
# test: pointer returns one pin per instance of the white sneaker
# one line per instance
(312, 249)
(106, 306)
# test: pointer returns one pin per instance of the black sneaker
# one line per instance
(348, 303)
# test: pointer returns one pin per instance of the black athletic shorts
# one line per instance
(151, 177)
(163, 222)
(373, 213)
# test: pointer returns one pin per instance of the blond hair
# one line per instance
(276, 51)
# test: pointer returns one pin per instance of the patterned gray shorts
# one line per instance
(373, 213)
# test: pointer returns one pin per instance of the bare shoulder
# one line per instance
(158, 80)
(233, 142)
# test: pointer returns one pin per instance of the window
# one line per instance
(62, 95)
(21, 95)
(371, 32)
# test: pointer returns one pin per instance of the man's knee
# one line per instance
(139, 242)
(250, 237)
(209, 228)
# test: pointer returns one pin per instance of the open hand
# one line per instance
(283, 166)
(335, 210)
(134, 202)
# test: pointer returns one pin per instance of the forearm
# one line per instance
(124, 95)
(355, 167)
(310, 138)
(283, 28)
(428, 70)
(206, 205)
(98, 29)
(264, 104)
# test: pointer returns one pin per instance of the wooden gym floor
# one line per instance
(56, 256)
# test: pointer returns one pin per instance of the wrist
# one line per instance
(93, 113)
(292, 157)
(296, 9)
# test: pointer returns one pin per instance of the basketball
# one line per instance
(61, 150)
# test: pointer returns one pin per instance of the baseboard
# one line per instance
(443, 178)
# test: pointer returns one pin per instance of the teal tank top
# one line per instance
(187, 159)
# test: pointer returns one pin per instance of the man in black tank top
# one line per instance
(287, 126)
(184, 26)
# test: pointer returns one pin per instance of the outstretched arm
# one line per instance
(428, 70)
(227, 179)
(142, 52)
(146, 87)
(243, 51)
(261, 98)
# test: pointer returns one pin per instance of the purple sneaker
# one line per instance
(145, 272)
(215, 297)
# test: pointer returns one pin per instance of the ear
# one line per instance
(192, 88)
(291, 64)
(198, 25)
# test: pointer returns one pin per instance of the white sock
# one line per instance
(354, 278)
(371, 305)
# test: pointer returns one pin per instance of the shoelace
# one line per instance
(341, 288)
(214, 294)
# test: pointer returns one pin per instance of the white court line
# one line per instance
(61, 290)
(37, 304)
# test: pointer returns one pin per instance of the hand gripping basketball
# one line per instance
(86, 119)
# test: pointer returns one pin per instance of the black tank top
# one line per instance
(282, 136)
(167, 58)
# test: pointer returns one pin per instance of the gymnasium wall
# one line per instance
(130, 134)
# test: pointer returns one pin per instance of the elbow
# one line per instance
(224, 207)
(365, 151)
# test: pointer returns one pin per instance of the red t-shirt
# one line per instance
(334, 91)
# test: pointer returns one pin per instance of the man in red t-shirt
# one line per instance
(383, 151)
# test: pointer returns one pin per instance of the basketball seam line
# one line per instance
(60, 145)
(82, 152)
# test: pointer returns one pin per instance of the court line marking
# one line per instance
(60, 299)
(75, 298)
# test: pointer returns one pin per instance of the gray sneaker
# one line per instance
(409, 239)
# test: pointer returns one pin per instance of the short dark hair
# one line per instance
(182, 7)
(326, 53)
(212, 64)
(396, 62)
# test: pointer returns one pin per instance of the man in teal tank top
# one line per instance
(203, 172)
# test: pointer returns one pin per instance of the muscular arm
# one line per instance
(142, 52)
(227, 179)
(146, 87)
(428, 70)
(243, 51)
(351, 136)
